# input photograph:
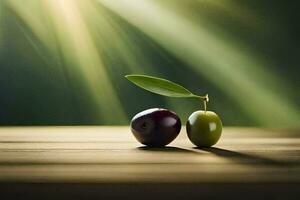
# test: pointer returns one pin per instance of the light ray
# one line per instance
(78, 45)
(113, 40)
(237, 11)
(64, 28)
(249, 83)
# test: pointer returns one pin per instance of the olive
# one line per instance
(204, 128)
(155, 127)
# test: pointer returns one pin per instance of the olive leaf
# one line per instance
(162, 86)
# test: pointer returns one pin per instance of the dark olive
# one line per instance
(155, 127)
(204, 128)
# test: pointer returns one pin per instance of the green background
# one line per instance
(63, 62)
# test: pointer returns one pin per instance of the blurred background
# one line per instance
(63, 62)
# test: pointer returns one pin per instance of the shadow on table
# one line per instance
(166, 149)
(245, 158)
(234, 155)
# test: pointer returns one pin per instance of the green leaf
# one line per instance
(161, 86)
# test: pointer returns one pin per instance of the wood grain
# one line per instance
(111, 155)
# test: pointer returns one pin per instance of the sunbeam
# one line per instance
(239, 75)
(78, 50)
(64, 61)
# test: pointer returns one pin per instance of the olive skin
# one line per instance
(204, 128)
(155, 127)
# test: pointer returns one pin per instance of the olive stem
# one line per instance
(205, 99)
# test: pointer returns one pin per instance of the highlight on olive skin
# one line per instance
(155, 127)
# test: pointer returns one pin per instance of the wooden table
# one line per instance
(92, 161)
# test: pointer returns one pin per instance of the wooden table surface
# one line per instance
(93, 161)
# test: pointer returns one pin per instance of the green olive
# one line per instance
(204, 128)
